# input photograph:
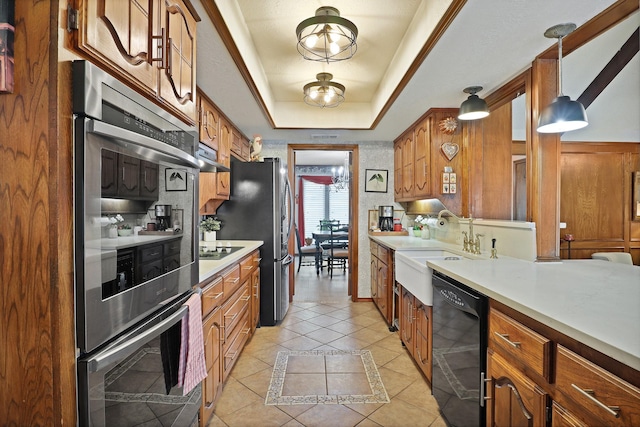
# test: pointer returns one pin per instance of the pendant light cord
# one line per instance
(560, 66)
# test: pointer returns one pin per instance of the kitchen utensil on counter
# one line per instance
(163, 217)
(151, 226)
(385, 218)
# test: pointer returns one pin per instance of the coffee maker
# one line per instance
(163, 217)
(385, 218)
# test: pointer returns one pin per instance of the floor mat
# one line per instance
(325, 377)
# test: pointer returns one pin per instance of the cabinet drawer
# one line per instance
(235, 308)
(383, 254)
(232, 349)
(231, 279)
(587, 388)
(373, 247)
(246, 267)
(172, 247)
(515, 339)
(150, 253)
(212, 295)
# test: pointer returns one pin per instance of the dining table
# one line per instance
(321, 236)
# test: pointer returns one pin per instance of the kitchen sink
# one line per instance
(414, 275)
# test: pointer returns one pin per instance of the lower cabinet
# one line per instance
(382, 280)
(416, 330)
(536, 380)
(229, 313)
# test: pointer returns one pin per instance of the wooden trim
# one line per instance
(353, 221)
(508, 92)
(223, 31)
(443, 24)
(588, 31)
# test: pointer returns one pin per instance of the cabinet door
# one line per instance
(515, 400)
(407, 165)
(383, 290)
(149, 180)
(209, 124)
(109, 172)
(255, 298)
(397, 170)
(212, 348)
(128, 176)
(178, 76)
(117, 34)
(563, 418)
(406, 320)
(223, 179)
(422, 164)
(423, 332)
(374, 280)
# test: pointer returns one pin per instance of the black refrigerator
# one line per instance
(260, 207)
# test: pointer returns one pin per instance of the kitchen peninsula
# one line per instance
(562, 332)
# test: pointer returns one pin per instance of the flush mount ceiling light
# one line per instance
(474, 107)
(563, 114)
(323, 92)
(327, 36)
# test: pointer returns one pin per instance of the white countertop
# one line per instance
(210, 267)
(595, 302)
(122, 242)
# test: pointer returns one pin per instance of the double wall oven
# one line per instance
(130, 156)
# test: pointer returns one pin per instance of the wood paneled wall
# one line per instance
(37, 358)
(595, 200)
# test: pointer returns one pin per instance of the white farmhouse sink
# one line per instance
(414, 275)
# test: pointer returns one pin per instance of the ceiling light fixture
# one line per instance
(324, 93)
(327, 36)
(340, 176)
(474, 107)
(563, 114)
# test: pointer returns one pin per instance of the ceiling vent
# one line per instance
(324, 136)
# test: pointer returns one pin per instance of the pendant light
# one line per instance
(563, 114)
(324, 93)
(474, 107)
(327, 36)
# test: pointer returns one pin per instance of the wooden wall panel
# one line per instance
(497, 166)
(592, 194)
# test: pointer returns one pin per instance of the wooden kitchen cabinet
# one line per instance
(209, 126)
(151, 45)
(212, 384)
(419, 161)
(416, 331)
(240, 146)
(514, 399)
(382, 279)
(255, 292)
(223, 179)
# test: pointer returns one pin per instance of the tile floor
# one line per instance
(322, 319)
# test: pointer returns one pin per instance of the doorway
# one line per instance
(350, 277)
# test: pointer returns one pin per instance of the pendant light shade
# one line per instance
(474, 107)
(324, 93)
(563, 114)
(327, 36)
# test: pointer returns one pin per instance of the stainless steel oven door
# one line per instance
(124, 384)
(102, 315)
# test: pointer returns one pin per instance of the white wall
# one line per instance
(372, 155)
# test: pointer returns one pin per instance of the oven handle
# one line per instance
(103, 359)
(124, 135)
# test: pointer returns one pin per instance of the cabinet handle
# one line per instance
(232, 317)
(169, 54)
(161, 48)
(590, 394)
(514, 344)
(247, 298)
(216, 296)
(483, 381)
(234, 281)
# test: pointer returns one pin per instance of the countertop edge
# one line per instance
(208, 268)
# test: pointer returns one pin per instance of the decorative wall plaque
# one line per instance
(450, 149)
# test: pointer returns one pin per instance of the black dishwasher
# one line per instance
(459, 351)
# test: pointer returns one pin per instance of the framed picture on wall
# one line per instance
(376, 180)
(175, 179)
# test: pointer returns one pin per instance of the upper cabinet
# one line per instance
(150, 44)
(420, 157)
(209, 125)
(240, 147)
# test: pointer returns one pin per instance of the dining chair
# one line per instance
(306, 251)
(336, 250)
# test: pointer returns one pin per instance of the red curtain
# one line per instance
(317, 179)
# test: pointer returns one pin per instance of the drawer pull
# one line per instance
(590, 394)
(247, 298)
(234, 281)
(514, 344)
(216, 296)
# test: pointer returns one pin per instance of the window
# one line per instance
(322, 202)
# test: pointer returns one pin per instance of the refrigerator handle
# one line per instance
(291, 208)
